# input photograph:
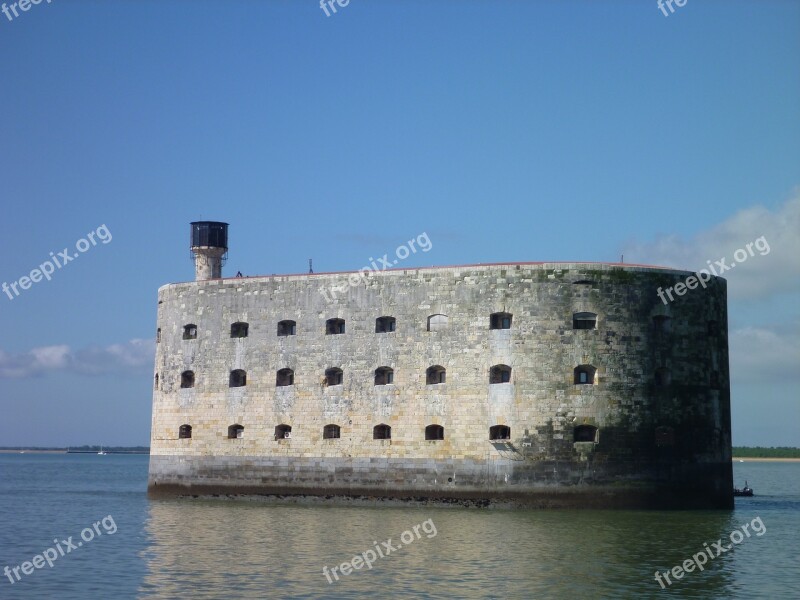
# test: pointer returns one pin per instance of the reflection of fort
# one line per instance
(202, 550)
(553, 384)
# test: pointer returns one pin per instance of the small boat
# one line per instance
(745, 491)
(102, 452)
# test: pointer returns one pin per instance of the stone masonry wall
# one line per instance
(658, 431)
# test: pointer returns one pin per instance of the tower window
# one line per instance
(662, 324)
(437, 322)
(499, 432)
(155, 382)
(333, 376)
(235, 432)
(434, 432)
(435, 374)
(283, 432)
(285, 377)
(663, 377)
(500, 374)
(187, 379)
(713, 328)
(334, 326)
(286, 328)
(584, 433)
(239, 330)
(384, 376)
(158, 335)
(584, 320)
(384, 324)
(500, 321)
(331, 432)
(190, 332)
(238, 378)
(584, 374)
(381, 432)
(184, 432)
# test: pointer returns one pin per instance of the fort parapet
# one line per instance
(540, 384)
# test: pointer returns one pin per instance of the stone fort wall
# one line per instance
(651, 426)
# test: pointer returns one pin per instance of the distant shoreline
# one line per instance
(755, 459)
(62, 451)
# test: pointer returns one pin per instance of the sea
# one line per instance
(82, 526)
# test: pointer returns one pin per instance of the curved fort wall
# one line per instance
(646, 424)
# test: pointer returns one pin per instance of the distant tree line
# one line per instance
(80, 448)
(761, 452)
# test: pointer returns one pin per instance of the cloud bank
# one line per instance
(760, 275)
(116, 358)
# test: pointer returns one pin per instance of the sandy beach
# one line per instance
(737, 459)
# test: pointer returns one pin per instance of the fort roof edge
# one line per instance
(542, 264)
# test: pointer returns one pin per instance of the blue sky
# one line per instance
(506, 130)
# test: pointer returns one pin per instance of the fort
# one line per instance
(527, 384)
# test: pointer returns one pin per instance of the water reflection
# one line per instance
(250, 550)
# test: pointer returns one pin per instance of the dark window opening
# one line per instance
(663, 377)
(285, 377)
(334, 326)
(500, 432)
(184, 432)
(584, 374)
(384, 376)
(331, 432)
(715, 380)
(239, 330)
(287, 328)
(665, 436)
(385, 324)
(235, 432)
(435, 374)
(158, 335)
(500, 374)
(381, 432)
(238, 378)
(155, 382)
(585, 433)
(500, 321)
(187, 379)
(334, 376)
(190, 332)
(584, 320)
(283, 432)
(434, 432)
(662, 324)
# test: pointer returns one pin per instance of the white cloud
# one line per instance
(764, 355)
(761, 275)
(117, 358)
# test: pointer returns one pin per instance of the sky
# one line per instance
(505, 130)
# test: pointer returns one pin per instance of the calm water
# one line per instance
(197, 549)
